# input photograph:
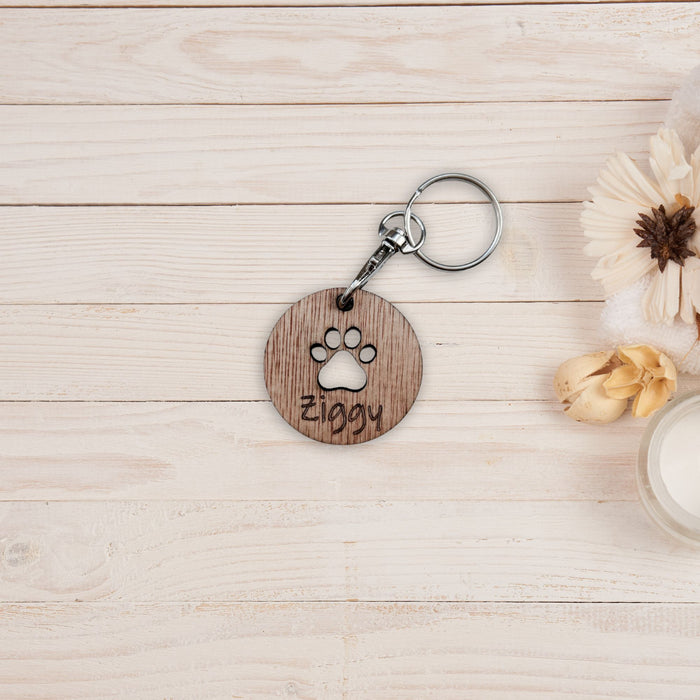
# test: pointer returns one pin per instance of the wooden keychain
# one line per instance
(344, 366)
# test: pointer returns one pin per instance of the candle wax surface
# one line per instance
(679, 461)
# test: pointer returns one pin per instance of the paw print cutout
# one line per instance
(341, 367)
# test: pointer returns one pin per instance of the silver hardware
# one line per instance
(393, 241)
(495, 204)
(406, 246)
(397, 239)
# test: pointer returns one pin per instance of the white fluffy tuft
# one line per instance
(684, 112)
(623, 323)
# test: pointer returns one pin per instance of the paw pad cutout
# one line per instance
(341, 359)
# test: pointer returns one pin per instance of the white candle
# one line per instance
(668, 469)
(679, 460)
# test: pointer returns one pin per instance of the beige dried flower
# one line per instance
(640, 226)
(645, 373)
(579, 383)
(596, 387)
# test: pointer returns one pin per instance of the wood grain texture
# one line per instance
(482, 450)
(243, 254)
(319, 401)
(345, 54)
(310, 154)
(354, 650)
(303, 551)
(55, 4)
(215, 352)
(182, 542)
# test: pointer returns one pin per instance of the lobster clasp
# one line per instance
(393, 241)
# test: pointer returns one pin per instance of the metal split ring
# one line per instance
(394, 240)
(408, 215)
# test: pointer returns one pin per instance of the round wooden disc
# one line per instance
(313, 337)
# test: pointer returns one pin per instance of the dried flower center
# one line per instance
(667, 236)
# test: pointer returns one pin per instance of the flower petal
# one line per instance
(695, 163)
(610, 222)
(611, 210)
(690, 290)
(623, 180)
(669, 165)
(623, 382)
(651, 398)
(622, 267)
(661, 301)
(641, 356)
(669, 371)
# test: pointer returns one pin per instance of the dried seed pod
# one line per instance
(571, 373)
(579, 382)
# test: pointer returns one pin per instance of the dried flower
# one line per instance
(627, 205)
(579, 383)
(647, 374)
(596, 387)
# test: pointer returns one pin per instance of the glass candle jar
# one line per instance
(668, 468)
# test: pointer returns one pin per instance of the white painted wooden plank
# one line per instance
(303, 154)
(53, 4)
(487, 450)
(215, 352)
(260, 253)
(305, 551)
(495, 544)
(354, 650)
(345, 54)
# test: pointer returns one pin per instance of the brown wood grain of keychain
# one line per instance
(344, 366)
